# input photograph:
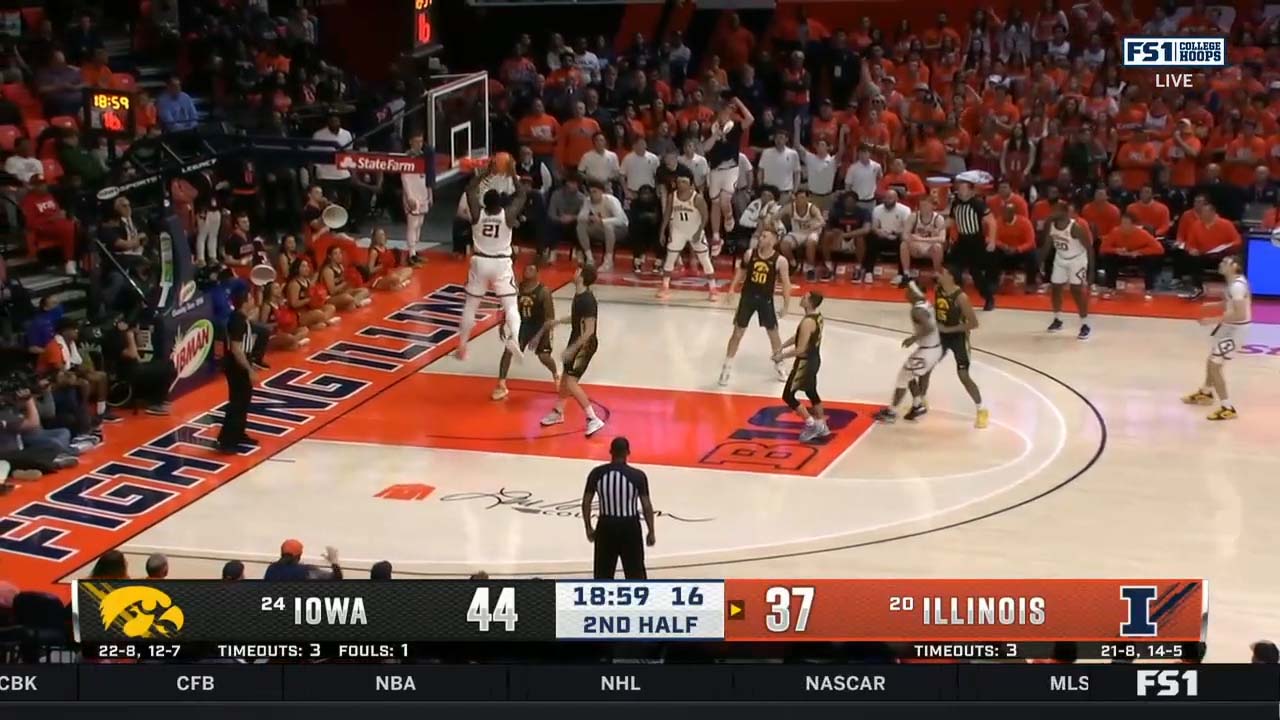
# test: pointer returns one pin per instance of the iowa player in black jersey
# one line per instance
(537, 310)
(806, 348)
(956, 319)
(757, 276)
(583, 342)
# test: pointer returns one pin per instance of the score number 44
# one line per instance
(780, 599)
(483, 613)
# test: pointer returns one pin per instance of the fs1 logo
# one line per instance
(1168, 683)
(1158, 52)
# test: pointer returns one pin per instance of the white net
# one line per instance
(458, 120)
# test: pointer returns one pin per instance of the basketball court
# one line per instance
(378, 441)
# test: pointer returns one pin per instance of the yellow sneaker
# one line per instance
(1223, 413)
(1198, 398)
(983, 419)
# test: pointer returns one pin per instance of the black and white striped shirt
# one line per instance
(618, 488)
(968, 216)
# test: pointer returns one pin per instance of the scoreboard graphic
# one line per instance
(992, 615)
(764, 648)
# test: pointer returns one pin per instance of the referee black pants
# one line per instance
(619, 537)
(236, 412)
(970, 253)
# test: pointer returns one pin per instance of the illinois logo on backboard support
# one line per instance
(716, 431)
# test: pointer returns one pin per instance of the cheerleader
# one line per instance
(382, 270)
(345, 285)
(288, 254)
(286, 332)
(308, 298)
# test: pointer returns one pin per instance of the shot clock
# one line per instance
(422, 29)
(109, 112)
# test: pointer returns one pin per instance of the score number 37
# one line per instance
(779, 599)
(483, 614)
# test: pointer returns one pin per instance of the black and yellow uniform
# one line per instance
(949, 312)
(804, 373)
(584, 307)
(757, 291)
(532, 303)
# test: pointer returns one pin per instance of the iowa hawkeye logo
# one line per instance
(141, 612)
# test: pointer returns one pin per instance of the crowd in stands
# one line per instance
(256, 75)
(1036, 98)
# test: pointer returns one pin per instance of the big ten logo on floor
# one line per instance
(769, 441)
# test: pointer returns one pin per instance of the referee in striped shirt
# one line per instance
(623, 491)
(975, 241)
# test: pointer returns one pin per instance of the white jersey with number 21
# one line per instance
(491, 266)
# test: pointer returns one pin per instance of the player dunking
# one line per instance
(1072, 265)
(537, 310)
(492, 266)
(686, 220)
(956, 319)
(758, 275)
(1228, 332)
(583, 343)
(921, 361)
(806, 348)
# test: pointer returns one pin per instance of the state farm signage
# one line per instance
(380, 162)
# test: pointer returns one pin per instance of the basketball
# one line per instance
(503, 163)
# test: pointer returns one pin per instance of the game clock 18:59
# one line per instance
(635, 595)
(109, 112)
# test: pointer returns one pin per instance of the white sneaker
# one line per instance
(781, 371)
(304, 341)
(499, 393)
(594, 425)
(724, 376)
(71, 267)
(868, 278)
(607, 265)
(555, 417)
(365, 302)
